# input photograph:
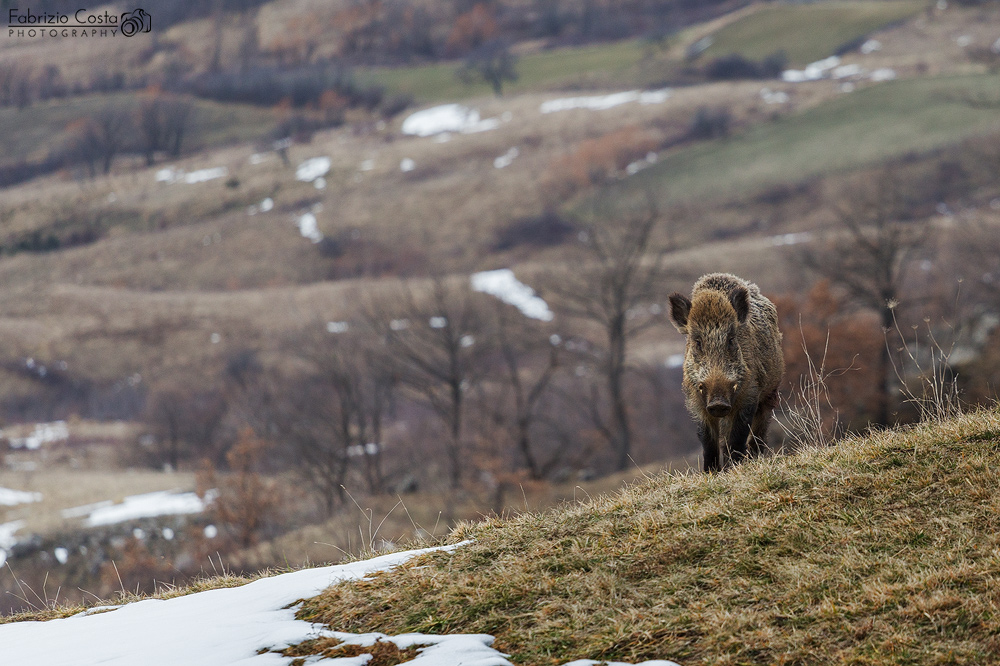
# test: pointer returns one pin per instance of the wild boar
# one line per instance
(732, 365)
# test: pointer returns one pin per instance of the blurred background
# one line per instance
(287, 280)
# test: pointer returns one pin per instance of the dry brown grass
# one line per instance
(880, 550)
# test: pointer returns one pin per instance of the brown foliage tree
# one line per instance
(868, 251)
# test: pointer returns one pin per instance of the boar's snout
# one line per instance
(719, 407)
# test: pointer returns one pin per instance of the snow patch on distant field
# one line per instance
(602, 102)
(831, 68)
(447, 118)
(309, 227)
(172, 175)
(148, 505)
(504, 285)
(506, 159)
(313, 168)
(10, 497)
(44, 433)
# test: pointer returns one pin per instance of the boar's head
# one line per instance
(714, 367)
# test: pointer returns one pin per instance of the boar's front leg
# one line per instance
(739, 433)
(709, 447)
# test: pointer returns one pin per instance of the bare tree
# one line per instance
(185, 423)
(435, 341)
(493, 63)
(162, 122)
(617, 288)
(868, 252)
(529, 357)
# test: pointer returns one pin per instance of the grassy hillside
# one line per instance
(807, 32)
(881, 550)
(610, 65)
(856, 129)
(35, 130)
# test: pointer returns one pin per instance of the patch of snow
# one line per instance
(367, 165)
(203, 175)
(320, 183)
(871, 46)
(7, 531)
(168, 175)
(964, 40)
(437, 322)
(167, 533)
(845, 71)
(814, 71)
(337, 326)
(700, 46)
(312, 169)
(44, 433)
(61, 555)
(674, 361)
(406, 165)
(883, 74)
(602, 102)
(791, 239)
(504, 285)
(309, 227)
(85, 510)
(211, 531)
(148, 505)
(447, 118)
(238, 626)
(266, 205)
(369, 449)
(637, 166)
(506, 159)
(399, 324)
(10, 497)
(846, 87)
(258, 158)
(774, 96)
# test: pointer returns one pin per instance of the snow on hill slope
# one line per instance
(245, 625)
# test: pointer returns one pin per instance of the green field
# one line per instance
(807, 32)
(30, 133)
(604, 64)
(856, 129)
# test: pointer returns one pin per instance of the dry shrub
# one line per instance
(134, 570)
(599, 160)
(828, 343)
(247, 502)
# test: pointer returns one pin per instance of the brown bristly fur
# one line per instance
(732, 365)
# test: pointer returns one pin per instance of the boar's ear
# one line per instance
(740, 300)
(680, 306)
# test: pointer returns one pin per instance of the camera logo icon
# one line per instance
(134, 22)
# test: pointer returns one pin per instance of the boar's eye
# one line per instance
(697, 345)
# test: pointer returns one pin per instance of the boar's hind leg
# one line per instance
(739, 433)
(761, 421)
(710, 448)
